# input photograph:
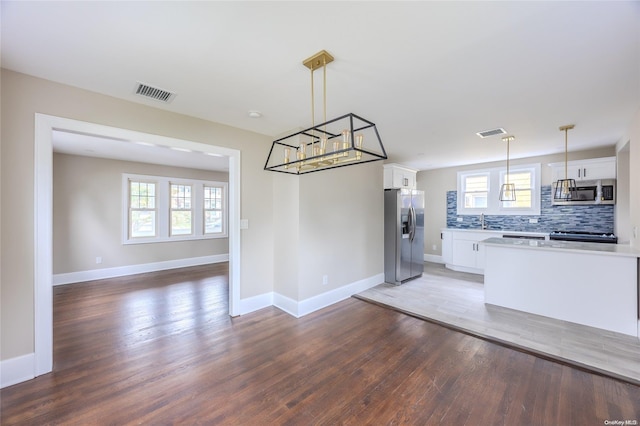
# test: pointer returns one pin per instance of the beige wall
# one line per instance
(87, 215)
(436, 183)
(328, 223)
(22, 97)
(341, 227)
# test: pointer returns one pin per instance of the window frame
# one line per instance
(172, 209)
(131, 209)
(223, 204)
(163, 207)
(496, 179)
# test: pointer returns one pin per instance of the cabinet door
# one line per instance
(447, 247)
(464, 253)
(600, 170)
(586, 170)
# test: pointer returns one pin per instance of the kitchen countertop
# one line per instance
(565, 246)
(499, 231)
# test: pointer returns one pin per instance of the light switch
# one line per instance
(244, 223)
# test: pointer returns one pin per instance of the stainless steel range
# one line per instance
(584, 237)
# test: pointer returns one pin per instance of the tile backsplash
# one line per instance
(592, 218)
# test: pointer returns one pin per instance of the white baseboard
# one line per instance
(312, 304)
(286, 304)
(433, 258)
(120, 271)
(17, 370)
(465, 269)
(255, 303)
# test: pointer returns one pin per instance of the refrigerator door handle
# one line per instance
(412, 223)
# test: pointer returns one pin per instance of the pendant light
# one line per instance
(565, 188)
(342, 141)
(508, 190)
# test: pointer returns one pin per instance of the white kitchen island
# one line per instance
(586, 283)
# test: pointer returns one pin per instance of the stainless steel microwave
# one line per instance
(602, 191)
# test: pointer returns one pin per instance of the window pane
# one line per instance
(143, 224)
(212, 222)
(523, 184)
(180, 196)
(476, 183)
(143, 195)
(180, 222)
(476, 200)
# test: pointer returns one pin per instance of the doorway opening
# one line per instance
(45, 125)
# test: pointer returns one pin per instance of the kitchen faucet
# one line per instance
(483, 224)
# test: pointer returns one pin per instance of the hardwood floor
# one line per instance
(160, 349)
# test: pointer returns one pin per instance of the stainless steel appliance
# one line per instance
(583, 237)
(403, 235)
(602, 191)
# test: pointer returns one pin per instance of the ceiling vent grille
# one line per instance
(492, 132)
(156, 93)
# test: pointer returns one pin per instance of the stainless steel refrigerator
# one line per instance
(403, 235)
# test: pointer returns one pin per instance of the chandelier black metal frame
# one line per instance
(343, 141)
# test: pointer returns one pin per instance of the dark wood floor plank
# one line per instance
(160, 348)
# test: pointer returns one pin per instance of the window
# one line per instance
(212, 209)
(523, 182)
(181, 210)
(159, 208)
(142, 209)
(478, 191)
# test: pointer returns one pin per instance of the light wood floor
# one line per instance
(457, 300)
(160, 349)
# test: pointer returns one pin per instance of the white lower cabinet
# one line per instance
(463, 250)
(468, 251)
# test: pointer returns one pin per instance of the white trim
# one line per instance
(43, 213)
(459, 268)
(120, 271)
(312, 304)
(252, 304)
(286, 304)
(435, 258)
(17, 370)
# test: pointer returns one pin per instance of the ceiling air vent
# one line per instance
(156, 93)
(492, 132)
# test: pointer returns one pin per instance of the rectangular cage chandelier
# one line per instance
(340, 142)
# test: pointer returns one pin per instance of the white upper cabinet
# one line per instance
(396, 176)
(595, 168)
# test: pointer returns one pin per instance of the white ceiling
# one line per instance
(429, 74)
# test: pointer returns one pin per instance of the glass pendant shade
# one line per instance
(564, 189)
(508, 192)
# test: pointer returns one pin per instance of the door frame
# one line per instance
(43, 218)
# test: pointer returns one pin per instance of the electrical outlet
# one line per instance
(458, 219)
(434, 247)
(534, 220)
(325, 279)
(98, 259)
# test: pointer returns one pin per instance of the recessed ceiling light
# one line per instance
(144, 143)
(492, 132)
(176, 148)
(255, 114)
